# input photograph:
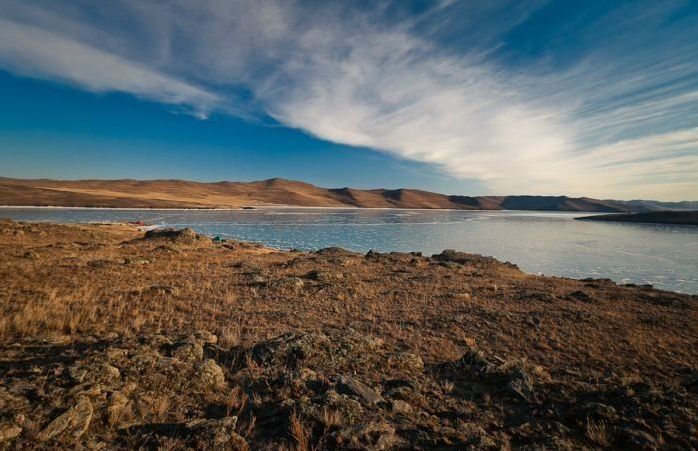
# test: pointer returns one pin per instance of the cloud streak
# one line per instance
(32, 51)
(614, 122)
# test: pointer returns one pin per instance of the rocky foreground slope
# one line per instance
(115, 340)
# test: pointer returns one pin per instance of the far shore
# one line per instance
(653, 217)
(289, 207)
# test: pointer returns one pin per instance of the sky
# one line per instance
(591, 98)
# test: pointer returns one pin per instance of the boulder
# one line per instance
(74, 421)
(188, 350)
(181, 236)
(211, 374)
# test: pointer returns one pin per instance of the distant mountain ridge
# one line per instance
(655, 217)
(127, 193)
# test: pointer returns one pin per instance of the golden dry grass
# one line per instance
(71, 283)
(77, 280)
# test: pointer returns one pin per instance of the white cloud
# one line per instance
(614, 124)
(32, 51)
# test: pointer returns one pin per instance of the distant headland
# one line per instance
(655, 217)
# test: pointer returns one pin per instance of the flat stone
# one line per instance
(401, 407)
(8, 431)
(74, 421)
(351, 386)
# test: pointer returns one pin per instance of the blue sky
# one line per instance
(589, 98)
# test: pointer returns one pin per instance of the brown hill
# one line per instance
(188, 194)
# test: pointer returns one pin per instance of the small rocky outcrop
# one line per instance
(178, 236)
(74, 421)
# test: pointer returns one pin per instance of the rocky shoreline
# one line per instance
(115, 339)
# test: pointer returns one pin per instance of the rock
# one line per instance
(74, 421)
(182, 236)
(11, 402)
(291, 349)
(372, 435)
(449, 255)
(350, 386)
(521, 384)
(324, 276)
(217, 433)
(306, 374)
(94, 373)
(211, 374)
(401, 407)
(77, 373)
(58, 340)
(400, 392)
(206, 337)
(109, 373)
(349, 408)
(188, 350)
(9, 431)
(579, 296)
(600, 412)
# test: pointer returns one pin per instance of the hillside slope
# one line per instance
(188, 194)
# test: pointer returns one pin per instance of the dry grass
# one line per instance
(330, 418)
(598, 434)
(299, 433)
(63, 280)
(71, 283)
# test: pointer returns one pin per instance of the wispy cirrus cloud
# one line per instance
(35, 52)
(618, 119)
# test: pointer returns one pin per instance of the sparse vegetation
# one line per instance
(110, 339)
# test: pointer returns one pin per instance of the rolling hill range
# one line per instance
(188, 194)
